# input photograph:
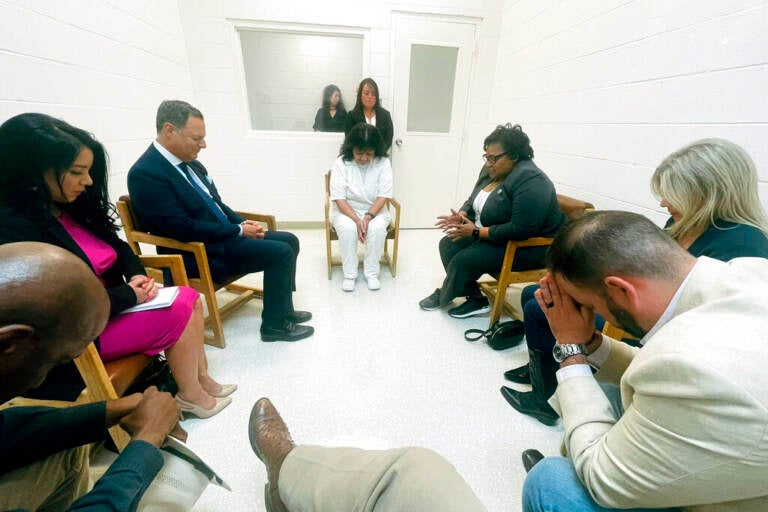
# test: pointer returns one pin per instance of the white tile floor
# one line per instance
(378, 373)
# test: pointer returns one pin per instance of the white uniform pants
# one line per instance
(346, 228)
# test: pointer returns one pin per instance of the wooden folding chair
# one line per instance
(496, 290)
(393, 233)
(135, 233)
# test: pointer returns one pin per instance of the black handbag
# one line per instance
(501, 335)
(157, 373)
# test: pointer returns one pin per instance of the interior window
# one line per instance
(286, 71)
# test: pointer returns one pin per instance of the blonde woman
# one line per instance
(709, 189)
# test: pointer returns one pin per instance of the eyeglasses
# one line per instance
(492, 159)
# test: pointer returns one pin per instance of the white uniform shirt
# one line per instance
(361, 185)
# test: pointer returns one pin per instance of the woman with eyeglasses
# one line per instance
(512, 200)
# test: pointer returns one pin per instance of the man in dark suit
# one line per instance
(174, 197)
(48, 317)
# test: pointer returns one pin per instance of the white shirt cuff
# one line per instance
(240, 227)
(600, 356)
(573, 370)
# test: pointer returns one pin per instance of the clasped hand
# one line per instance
(569, 321)
(148, 416)
(253, 229)
(362, 228)
(144, 287)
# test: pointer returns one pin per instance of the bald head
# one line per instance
(51, 307)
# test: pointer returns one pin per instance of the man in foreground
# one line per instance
(51, 307)
(695, 397)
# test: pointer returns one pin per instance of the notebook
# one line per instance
(164, 298)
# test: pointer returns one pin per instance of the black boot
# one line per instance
(544, 383)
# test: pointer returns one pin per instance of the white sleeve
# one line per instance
(338, 186)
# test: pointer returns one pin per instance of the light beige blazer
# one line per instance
(694, 432)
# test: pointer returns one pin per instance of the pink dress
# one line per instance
(147, 332)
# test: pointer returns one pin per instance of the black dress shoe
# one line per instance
(288, 331)
(530, 404)
(299, 317)
(521, 374)
(531, 458)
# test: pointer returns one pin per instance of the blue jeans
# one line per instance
(553, 486)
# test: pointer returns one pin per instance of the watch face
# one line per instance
(562, 352)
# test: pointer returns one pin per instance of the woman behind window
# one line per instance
(368, 109)
(53, 189)
(331, 116)
(361, 183)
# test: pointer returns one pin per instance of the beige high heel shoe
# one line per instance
(202, 412)
(226, 390)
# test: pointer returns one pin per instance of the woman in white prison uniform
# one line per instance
(361, 183)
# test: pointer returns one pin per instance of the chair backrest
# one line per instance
(130, 221)
(573, 208)
(328, 183)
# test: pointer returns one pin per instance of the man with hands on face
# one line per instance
(48, 317)
(695, 398)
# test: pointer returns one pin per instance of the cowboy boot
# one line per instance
(271, 442)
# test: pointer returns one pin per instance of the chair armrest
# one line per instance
(94, 375)
(394, 202)
(530, 242)
(269, 220)
(196, 248)
(173, 262)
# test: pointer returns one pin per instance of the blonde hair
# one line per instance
(706, 181)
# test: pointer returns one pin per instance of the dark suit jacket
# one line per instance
(383, 124)
(168, 206)
(524, 205)
(64, 382)
(29, 434)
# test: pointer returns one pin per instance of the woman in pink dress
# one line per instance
(53, 189)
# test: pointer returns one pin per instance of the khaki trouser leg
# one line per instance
(48, 485)
(316, 478)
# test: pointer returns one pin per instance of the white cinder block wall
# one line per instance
(281, 172)
(102, 65)
(607, 88)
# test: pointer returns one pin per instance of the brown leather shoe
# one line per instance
(271, 442)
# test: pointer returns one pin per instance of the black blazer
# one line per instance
(383, 124)
(524, 205)
(16, 226)
(64, 382)
(169, 206)
(325, 123)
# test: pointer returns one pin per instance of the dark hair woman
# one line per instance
(53, 189)
(512, 200)
(331, 116)
(368, 109)
(361, 183)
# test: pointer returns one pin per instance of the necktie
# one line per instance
(209, 202)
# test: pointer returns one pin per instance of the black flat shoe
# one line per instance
(299, 317)
(432, 302)
(289, 331)
(521, 374)
(531, 458)
(530, 404)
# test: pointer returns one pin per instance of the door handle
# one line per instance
(399, 142)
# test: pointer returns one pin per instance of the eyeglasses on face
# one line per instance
(492, 159)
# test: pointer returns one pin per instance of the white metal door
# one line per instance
(432, 63)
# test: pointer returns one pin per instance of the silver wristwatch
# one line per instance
(563, 352)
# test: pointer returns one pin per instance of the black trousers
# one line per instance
(465, 260)
(275, 255)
